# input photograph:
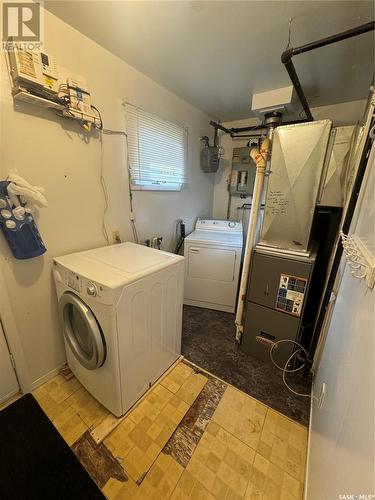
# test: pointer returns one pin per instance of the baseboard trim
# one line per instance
(209, 305)
(45, 378)
(308, 445)
(9, 399)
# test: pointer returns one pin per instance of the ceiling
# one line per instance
(216, 54)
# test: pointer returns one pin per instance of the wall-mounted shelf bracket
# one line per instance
(360, 258)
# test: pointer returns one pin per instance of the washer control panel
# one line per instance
(83, 286)
(91, 289)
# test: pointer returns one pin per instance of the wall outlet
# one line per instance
(116, 238)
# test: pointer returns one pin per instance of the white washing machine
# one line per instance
(120, 308)
(212, 264)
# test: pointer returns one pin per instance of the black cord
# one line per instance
(179, 245)
(100, 116)
(182, 237)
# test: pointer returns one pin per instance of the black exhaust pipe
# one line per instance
(286, 58)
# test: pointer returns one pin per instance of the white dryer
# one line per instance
(213, 258)
(120, 309)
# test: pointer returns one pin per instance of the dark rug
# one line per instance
(208, 341)
(35, 461)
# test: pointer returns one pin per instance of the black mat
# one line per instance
(35, 461)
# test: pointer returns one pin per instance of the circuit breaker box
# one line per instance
(243, 172)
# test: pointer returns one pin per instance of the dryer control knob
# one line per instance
(91, 290)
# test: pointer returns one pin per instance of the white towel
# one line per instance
(20, 187)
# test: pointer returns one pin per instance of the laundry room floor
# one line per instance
(192, 436)
(208, 341)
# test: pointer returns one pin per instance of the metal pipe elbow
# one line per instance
(287, 55)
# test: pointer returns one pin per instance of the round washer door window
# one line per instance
(82, 331)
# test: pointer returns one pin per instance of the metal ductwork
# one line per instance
(298, 154)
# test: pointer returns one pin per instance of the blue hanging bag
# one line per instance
(19, 228)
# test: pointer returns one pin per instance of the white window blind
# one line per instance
(157, 151)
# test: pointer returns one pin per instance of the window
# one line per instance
(157, 151)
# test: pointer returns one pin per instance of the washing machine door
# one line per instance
(82, 331)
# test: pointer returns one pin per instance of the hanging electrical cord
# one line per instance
(289, 32)
(132, 218)
(107, 131)
(104, 187)
(181, 224)
(311, 396)
(285, 369)
(275, 345)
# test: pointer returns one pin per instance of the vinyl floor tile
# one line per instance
(176, 378)
(140, 437)
(239, 448)
(219, 467)
(70, 425)
(86, 407)
(241, 415)
(284, 443)
(159, 483)
(269, 482)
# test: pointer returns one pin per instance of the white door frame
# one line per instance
(12, 337)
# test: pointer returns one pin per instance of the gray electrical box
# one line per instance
(276, 297)
(243, 172)
(210, 158)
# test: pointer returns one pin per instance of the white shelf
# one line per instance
(24, 96)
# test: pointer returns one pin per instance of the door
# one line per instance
(82, 331)
(8, 380)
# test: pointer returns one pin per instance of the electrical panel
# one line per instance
(243, 172)
(37, 80)
(79, 98)
(49, 71)
(34, 70)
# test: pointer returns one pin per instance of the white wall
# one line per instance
(341, 114)
(54, 153)
(342, 440)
